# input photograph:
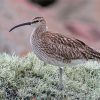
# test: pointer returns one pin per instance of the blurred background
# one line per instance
(74, 18)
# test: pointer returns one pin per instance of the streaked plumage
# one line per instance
(57, 49)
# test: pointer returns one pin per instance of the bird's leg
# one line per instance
(44, 64)
(60, 78)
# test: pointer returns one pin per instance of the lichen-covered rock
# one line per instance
(27, 77)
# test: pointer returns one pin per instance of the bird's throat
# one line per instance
(37, 32)
(39, 29)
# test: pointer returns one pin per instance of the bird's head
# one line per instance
(35, 22)
(38, 20)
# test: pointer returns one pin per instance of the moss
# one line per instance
(27, 77)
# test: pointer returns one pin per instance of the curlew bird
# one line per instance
(57, 49)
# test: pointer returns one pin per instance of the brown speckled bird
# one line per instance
(57, 49)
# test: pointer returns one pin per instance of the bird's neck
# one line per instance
(37, 33)
(38, 30)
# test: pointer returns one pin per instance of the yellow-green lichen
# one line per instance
(27, 77)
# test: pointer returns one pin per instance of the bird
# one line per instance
(57, 49)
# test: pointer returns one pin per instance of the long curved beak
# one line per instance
(23, 24)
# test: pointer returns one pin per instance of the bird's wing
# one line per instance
(87, 51)
(64, 48)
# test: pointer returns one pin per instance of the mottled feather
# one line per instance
(64, 48)
(55, 48)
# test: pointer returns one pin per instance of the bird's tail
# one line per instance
(95, 54)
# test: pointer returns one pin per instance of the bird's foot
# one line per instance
(44, 64)
(61, 87)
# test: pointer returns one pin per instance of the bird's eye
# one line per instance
(36, 21)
